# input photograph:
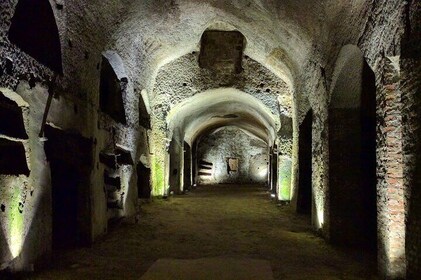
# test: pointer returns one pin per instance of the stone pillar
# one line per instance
(285, 159)
(320, 164)
(284, 178)
(390, 185)
(410, 85)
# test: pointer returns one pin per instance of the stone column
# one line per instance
(285, 159)
(390, 185)
(320, 156)
(410, 86)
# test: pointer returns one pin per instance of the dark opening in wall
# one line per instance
(143, 181)
(222, 51)
(11, 119)
(205, 168)
(34, 30)
(368, 156)
(108, 159)
(194, 163)
(113, 187)
(304, 203)
(70, 157)
(111, 92)
(352, 154)
(274, 170)
(187, 166)
(112, 181)
(124, 157)
(144, 119)
(12, 158)
(175, 161)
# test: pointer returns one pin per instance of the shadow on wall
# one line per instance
(143, 181)
(304, 192)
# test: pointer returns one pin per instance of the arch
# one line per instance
(221, 107)
(280, 49)
(208, 111)
(34, 30)
(352, 151)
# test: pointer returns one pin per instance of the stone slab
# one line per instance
(209, 269)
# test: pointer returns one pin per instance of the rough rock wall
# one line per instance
(410, 66)
(184, 78)
(74, 108)
(16, 65)
(231, 142)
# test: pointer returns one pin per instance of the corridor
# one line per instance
(222, 221)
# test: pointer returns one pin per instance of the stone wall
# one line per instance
(231, 142)
(410, 86)
(390, 187)
(297, 40)
(74, 108)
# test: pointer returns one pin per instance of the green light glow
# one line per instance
(285, 167)
(16, 222)
(158, 181)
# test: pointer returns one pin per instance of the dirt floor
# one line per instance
(214, 221)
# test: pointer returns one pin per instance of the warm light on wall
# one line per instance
(320, 218)
(320, 214)
(263, 173)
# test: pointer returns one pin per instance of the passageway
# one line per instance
(227, 221)
(232, 138)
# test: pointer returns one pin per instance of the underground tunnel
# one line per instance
(203, 139)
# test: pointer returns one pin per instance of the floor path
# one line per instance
(213, 222)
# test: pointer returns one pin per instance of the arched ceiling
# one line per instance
(216, 108)
(287, 36)
(216, 130)
(349, 67)
(279, 35)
